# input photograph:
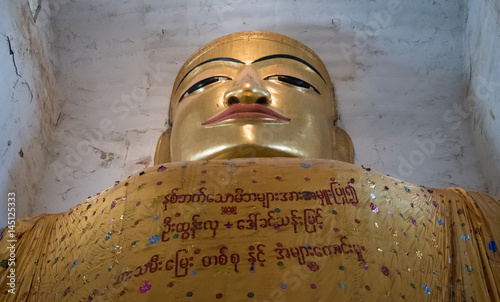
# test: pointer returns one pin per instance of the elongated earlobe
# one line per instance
(162, 153)
(342, 147)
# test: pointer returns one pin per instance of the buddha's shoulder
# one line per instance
(264, 164)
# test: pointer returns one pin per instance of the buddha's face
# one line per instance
(252, 98)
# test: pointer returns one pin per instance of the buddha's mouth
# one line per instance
(247, 111)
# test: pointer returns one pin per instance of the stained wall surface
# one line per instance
(399, 67)
(482, 62)
(29, 106)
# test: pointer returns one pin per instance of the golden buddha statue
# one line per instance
(254, 197)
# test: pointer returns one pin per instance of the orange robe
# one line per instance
(268, 229)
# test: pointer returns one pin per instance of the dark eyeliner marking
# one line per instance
(293, 81)
(203, 83)
(205, 62)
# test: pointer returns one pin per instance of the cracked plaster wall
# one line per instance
(29, 106)
(482, 50)
(398, 69)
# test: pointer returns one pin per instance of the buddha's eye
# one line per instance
(292, 81)
(204, 83)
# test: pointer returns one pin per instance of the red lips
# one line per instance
(254, 111)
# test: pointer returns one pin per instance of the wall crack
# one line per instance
(11, 52)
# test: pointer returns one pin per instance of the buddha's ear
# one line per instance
(162, 153)
(343, 148)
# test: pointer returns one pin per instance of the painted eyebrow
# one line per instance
(208, 61)
(276, 56)
(283, 56)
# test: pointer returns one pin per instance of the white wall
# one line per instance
(28, 106)
(482, 55)
(398, 72)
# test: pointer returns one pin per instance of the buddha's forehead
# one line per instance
(251, 50)
(248, 47)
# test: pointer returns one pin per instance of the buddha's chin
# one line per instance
(247, 151)
(251, 140)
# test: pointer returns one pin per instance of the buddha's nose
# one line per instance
(247, 88)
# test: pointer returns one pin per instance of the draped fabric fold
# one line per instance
(267, 229)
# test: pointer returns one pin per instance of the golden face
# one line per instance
(252, 97)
